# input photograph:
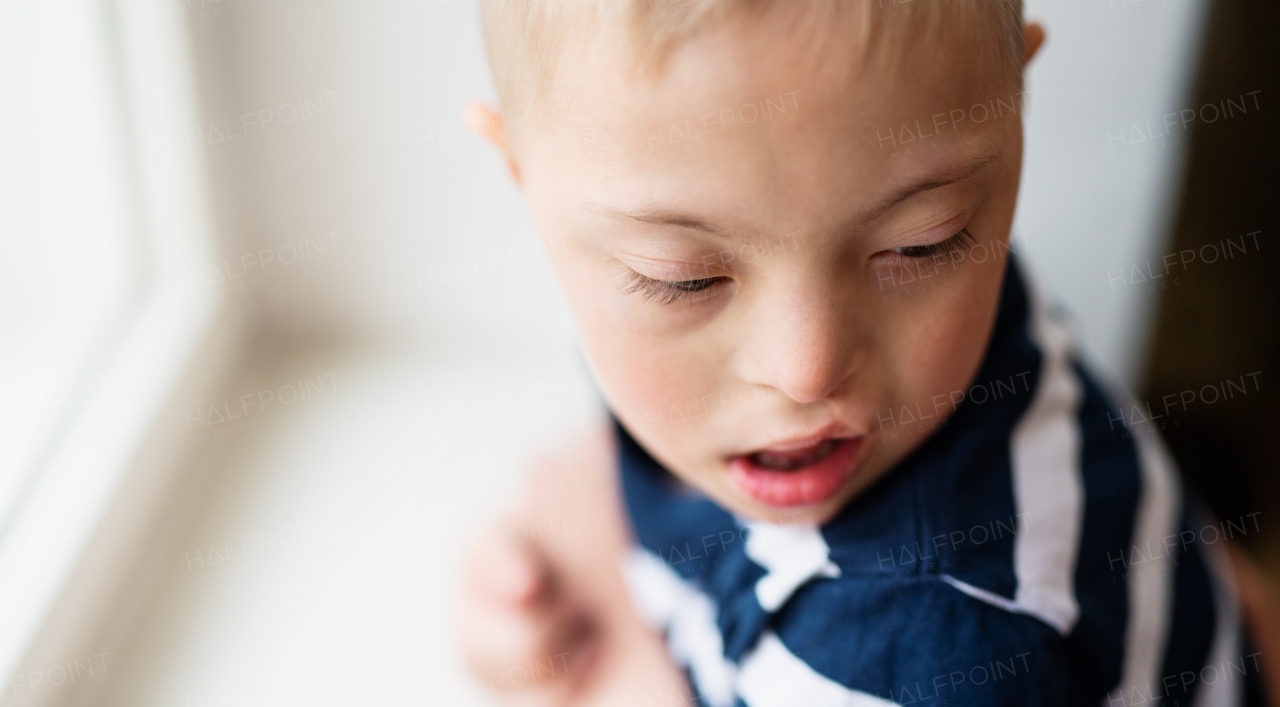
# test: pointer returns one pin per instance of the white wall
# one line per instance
(1093, 205)
(415, 201)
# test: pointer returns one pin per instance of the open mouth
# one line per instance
(790, 461)
(796, 477)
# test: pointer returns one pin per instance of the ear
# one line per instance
(1032, 39)
(487, 123)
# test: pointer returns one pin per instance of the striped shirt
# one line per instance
(1034, 550)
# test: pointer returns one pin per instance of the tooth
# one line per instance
(786, 461)
(771, 461)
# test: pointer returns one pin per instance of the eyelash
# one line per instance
(946, 248)
(670, 292)
(666, 292)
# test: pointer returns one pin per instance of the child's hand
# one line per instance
(524, 634)
(545, 618)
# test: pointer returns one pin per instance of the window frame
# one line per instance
(75, 539)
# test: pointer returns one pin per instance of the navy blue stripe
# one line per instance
(922, 642)
(741, 618)
(1194, 617)
(1112, 483)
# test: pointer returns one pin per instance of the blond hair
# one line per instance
(527, 39)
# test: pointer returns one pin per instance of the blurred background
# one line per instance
(278, 335)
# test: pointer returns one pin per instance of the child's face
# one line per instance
(779, 191)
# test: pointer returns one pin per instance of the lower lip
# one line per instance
(800, 487)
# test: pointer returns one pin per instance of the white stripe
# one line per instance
(1047, 485)
(670, 604)
(792, 555)
(1225, 690)
(988, 596)
(1150, 592)
(772, 676)
(654, 589)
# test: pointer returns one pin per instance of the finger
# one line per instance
(520, 577)
(515, 575)
(509, 648)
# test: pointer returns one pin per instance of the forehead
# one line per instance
(784, 102)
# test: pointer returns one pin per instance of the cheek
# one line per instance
(944, 344)
(662, 393)
(654, 380)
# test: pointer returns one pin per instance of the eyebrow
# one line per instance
(949, 176)
(657, 217)
(662, 217)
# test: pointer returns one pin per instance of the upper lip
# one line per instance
(834, 430)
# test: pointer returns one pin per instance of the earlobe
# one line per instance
(487, 123)
(1032, 39)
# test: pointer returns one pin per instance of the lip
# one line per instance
(831, 431)
(803, 486)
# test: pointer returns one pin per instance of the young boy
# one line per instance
(858, 463)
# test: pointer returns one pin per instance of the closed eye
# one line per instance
(664, 291)
(941, 249)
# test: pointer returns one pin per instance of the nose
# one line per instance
(803, 345)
